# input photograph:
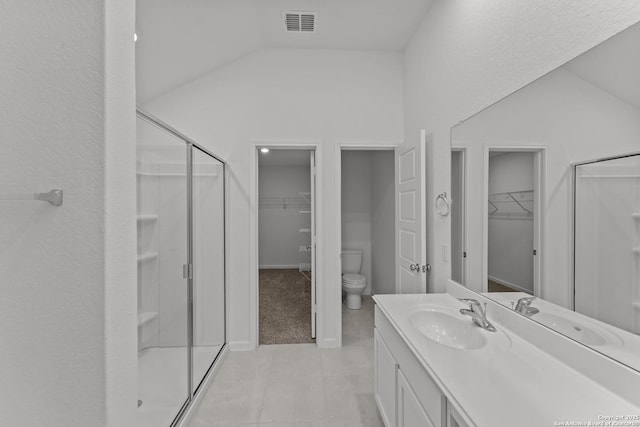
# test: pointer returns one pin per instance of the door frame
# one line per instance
(337, 191)
(254, 217)
(539, 211)
(463, 211)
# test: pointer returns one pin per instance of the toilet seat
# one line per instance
(353, 278)
(354, 281)
(353, 285)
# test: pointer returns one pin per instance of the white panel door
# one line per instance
(313, 244)
(411, 274)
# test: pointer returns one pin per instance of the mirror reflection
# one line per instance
(517, 168)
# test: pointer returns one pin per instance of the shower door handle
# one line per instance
(187, 271)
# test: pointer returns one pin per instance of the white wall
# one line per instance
(570, 118)
(468, 55)
(383, 255)
(67, 314)
(287, 96)
(279, 228)
(510, 239)
(356, 207)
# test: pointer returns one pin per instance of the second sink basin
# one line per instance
(447, 330)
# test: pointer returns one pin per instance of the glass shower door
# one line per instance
(163, 361)
(607, 241)
(208, 262)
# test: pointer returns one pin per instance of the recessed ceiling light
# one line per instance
(264, 150)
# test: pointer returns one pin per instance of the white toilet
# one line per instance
(353, 283)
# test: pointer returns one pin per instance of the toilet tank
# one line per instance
(351, 262)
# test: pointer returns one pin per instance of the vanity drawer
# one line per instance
(426, 390)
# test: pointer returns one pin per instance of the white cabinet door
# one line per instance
(410, 411)
(386, 370)
(411, 241)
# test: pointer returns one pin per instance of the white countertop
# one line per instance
(515, 386)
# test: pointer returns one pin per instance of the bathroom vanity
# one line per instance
(434, 367)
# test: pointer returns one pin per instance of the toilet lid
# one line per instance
(353, 278)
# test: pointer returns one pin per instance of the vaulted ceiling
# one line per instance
(613, 65)
(181, 40)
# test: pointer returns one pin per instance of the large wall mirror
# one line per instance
(546, 199)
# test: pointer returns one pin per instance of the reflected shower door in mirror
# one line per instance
(587, 109)
(607, 241)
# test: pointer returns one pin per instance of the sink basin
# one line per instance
(447, 330)
(575, 329)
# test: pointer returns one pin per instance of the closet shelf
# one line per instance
(146, 317)
(146, 218)
(306, 196)
(512, 198)
(148, 256)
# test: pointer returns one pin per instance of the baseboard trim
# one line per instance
(279, 267)
(511, 285)
(328, 343)
(241, 346)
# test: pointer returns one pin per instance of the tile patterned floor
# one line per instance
(298, 385)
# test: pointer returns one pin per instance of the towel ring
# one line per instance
(442, 204)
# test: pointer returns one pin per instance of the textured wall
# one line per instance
(66, 109)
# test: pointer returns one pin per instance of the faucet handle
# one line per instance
(526, 301)
(469, 301)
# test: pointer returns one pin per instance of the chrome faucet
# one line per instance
(477, 314)
(523, 306)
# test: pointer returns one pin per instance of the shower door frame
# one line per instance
(574, 172)
(190, 145)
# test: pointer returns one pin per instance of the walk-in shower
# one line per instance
(181, 269)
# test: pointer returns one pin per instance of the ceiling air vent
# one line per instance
(300, 22)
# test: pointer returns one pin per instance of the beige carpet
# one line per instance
(285, 307)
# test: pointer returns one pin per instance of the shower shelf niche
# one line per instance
(147, 218)
(146, 317)
(148, 256)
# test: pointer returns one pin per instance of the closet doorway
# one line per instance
(513, 221)
(286, 246)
